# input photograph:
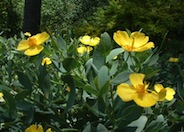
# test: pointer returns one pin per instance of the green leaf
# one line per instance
(61, 43)
(103, 75)
(139, 123)
(121, 77)
(114, 68)
(90, 90)
(10, 102)
(128, 113)
(101, 128)
(114, 53)
(104, 89)
(98, 59)
(70, 82)
(46, 85)
(21, 95)
(89, 128)
(59, 66)
(153, 60)
(24, 80)
(157, 125)
(105, 45)
(70, 63)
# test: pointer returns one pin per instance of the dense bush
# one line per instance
(154, 17)
(10, 20)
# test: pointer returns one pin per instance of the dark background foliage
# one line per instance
(161, 19)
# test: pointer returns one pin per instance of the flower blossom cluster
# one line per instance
(87, 44)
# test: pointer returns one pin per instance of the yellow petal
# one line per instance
(160, 91)
(94, 41)
(41, 37)
(125, 92)
(48, 130)
(158, 87)
(162, 95)
(27, 34)
(46, 61)
(85, 39)
(40, 128)
(169, 94)
(88, 49)
(34, 50)
(145, 47)
(32, 128)
(1, 95)
(139, 39)
(81, 49)
(146, 100)
(121, 38)
(23, 45)
(136, 79)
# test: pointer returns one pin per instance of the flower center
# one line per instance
(128, 48)
(141, 89)
(32, 42)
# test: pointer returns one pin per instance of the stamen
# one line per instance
(32, 42)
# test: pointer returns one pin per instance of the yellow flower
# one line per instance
(1, 95)
(164, 93)
(172, 59)
(36, 128)
(87, 40)
(46, 61)
(137, 41)
(27, 34)
(83, 49)
(32, 46)
(137, 92)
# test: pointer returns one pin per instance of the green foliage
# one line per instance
(37, 94)
(154, 17)
(9, 18)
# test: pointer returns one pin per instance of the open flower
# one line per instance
(136, 42)
(87, 40)
(46, 61)
(164, 93)
(32, 46)
(137, 92)
(36, 128)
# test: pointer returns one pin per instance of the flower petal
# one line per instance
(49, 130)
(94, 41)
(145, 47)
(169, 94)
(32, 128)
(34, 50)
(85, 39)
(40, 128)
(158, 87)
(41, 37)
(136, 79)
(121, 38)
(23, 45)
(139, 39)
(125, 92)
(81, 49)
(146, 100)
